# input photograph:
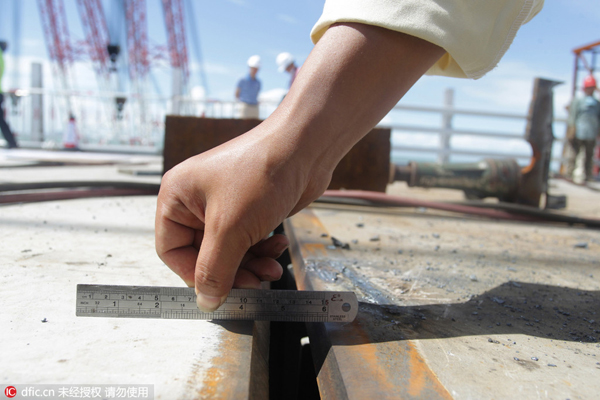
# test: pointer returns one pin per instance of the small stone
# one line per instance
(436, 235)
(581, 245)
(473, 278)
(535, 358)
(44, 320)
(552, 365)
(360, 225)
(336, 242)
(374, 238)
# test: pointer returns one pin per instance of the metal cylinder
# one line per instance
(487, 178)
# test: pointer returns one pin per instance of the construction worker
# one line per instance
(584, 122)
(6, 132)
(247, 91)
(215, 211)
(286, 62)
(71, 135)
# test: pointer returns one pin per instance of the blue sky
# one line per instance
(232, 30)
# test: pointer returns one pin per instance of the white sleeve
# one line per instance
(474, 33)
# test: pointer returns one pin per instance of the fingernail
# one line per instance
(280, 248)
(208, 303)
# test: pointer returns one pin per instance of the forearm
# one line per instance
(352, 78)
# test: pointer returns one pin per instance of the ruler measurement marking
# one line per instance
(242, 304)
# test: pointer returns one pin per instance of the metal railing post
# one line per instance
(446, 132)
(37, 104)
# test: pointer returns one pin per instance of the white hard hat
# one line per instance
(284, 60)
(254, 62)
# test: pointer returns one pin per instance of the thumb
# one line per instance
(219, 258)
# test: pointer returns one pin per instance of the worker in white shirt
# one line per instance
(286, 63)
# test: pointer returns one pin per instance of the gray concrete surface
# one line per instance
(464, 275)
(47, 248)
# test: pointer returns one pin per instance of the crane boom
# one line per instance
(137, 39)
(54, 22)
(96, 34)
(175, 25)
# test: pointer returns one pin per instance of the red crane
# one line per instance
(175, 25)
(592, 50)
(137, 39)
(54, 22)
(96, 35)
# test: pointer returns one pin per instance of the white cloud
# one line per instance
(415, 139)
(217, 69)
(509, 88)
(273, 95)
(510, 146)
(287, 18)
(386, 121)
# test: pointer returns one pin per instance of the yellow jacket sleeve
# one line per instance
(474, 33)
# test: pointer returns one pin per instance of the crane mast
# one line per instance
(54, 23)
(137, 39)
(96, 35)
(176, 40)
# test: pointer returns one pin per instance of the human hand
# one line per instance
(215, 211)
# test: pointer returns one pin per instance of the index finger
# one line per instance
(177, 246)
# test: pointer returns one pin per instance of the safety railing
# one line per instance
(419, 133)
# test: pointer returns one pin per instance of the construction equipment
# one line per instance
(503, 179)
(367, 166)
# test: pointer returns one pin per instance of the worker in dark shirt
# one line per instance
(584, 118)
(8, 135)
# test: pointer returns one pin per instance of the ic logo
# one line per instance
(10, 392)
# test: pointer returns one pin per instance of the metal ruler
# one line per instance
(241, 304)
